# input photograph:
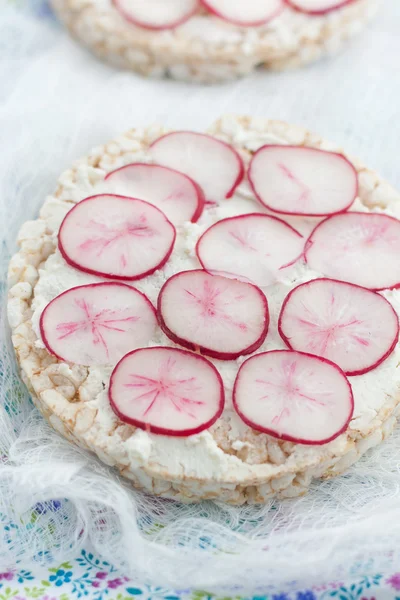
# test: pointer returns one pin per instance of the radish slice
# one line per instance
(167, 391)
(214, 165)
(116, 237)
(97, 324)
(293, 180)
(250, 247)
(361, 248)
(180, 198)
(293, 396)
(317, 7)
(353, 327)
(245, 13)
(157, 14)
(220, 317)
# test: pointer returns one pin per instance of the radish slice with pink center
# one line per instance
(317, 7)
(245, 13)
(353, 327)
(294, 396)
(361, 248)
(220, 317)
(116, 237)
(157, 14)
(180, 198)
(167, 391)
(294, 180)
(250, 247)
(214, 165)
(97, 324)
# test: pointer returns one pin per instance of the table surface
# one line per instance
(88, 576)
(353, 100)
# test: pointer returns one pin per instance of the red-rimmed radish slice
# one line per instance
(317, 7)
(245, 13)
(167, 391)
(157, 14)
(353, 327)
(295, 180)
(97, 324)
(116, 237)
(360, 248)
(293, 396)
(251, 247)
(214, 165)
(220, 317)
(180, 198)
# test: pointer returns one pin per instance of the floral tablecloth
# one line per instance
(87, 576)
